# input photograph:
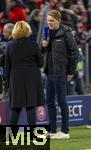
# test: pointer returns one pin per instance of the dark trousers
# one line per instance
(56, 87)
(31, 115)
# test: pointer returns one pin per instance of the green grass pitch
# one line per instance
(80, 139)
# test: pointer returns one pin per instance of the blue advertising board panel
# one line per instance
(79, 112)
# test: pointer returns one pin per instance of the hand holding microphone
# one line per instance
(45, 43)
(45, 40)
(69, 77)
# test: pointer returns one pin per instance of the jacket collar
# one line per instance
(59, 32)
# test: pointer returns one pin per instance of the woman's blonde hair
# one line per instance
(21, 30)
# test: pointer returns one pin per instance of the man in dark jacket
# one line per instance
(61, 55)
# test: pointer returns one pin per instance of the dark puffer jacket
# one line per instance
(64, 52)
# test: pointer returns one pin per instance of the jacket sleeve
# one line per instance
(39, 56)
(72, 50)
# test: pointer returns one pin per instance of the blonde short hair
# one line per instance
(21, 30)
(55, 14)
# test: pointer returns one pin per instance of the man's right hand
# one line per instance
(69, 77)
(45, 43)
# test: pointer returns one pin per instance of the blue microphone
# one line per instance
(46, 33)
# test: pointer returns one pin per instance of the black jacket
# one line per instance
(23, 60)
(64, 52)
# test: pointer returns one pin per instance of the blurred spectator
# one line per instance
(85, 3)
(3, 20)
(2, 5)
(67, 3)
(7, 32)
(40, 3)
(31, 4)
(76, 84)
(34, 23)
(74, 16)
(3, 15)
(4, 38)
(89, 16)
(16, 11)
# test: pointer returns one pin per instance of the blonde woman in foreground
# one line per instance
(23, 60)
